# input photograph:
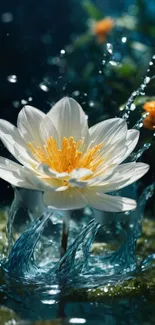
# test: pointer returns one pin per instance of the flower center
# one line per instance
(67, 158)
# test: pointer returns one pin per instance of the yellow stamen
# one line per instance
(68, 157)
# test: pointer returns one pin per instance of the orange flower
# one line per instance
(149, 121)
(102, 29)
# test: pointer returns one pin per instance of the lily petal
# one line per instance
(108, 132)
(28, 124)
(69, 119)
(123, 176)
(80, 173)
(47, 129)
(109, 203)
(46, 170)
(18, 175)
(69, 199)
(131, 141)
(14, 142)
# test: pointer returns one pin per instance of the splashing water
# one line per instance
(140, 91)
(79, 268)
(34, 255)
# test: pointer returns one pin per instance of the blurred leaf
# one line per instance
(92, 10)
(151, 30)
(82, 40)
(127, 21)
(138, 46)
(88, 70)
(126, 69)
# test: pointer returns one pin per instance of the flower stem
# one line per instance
(65, 233)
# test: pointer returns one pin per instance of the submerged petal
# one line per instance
(69, 119)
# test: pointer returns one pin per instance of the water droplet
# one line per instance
(6, 17)
(23, 102)
(109, 48)
(12, 78)
(147, 80)
(62, 52)
(114, 63)
(91, 104)
(124, 39)
(16, 103)
(133, 106)
(105, 289)
(30, 99)
(76, 93)
(43, 87)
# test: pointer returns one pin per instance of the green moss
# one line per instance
(8, 316)
(146, 243)
(139, 284)
(3, 235)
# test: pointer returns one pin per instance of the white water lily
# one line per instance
(73, 165)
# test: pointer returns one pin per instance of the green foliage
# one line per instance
(92, 11)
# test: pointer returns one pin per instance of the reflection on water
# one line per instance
(139, 311)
